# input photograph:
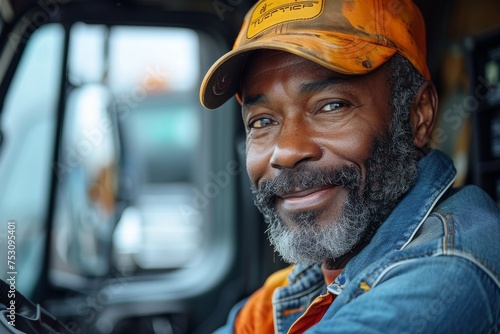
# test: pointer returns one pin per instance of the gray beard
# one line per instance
(391, 171)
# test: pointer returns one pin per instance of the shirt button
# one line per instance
(335, 288)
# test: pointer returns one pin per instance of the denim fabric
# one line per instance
(432, 267)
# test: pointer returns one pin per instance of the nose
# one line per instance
(295, 144)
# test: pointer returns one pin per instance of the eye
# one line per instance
(261, 123)
(334, 106)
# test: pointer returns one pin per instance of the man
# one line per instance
(339, 108)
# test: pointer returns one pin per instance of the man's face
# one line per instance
(319, 154)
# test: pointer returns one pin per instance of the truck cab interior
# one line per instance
(129, 202)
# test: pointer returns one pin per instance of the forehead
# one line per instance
(264, 62)
(264, 66)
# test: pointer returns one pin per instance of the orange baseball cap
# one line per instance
(347, 36)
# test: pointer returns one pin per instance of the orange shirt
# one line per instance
(257, 314)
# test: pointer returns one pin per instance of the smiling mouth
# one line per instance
(308, 199)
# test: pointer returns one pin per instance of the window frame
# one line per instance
(165, 295)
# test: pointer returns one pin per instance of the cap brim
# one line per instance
(351, 57)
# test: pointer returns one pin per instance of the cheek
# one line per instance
(256, 162)
(359, 144)
(352, 145)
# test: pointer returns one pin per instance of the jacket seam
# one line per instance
(431, 208)
(459, 254)
(477, 263)
(301, 294)
(449, 229)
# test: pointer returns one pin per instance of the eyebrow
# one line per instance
(253, 100)
(318, 86)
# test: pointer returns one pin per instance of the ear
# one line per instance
(423, 114)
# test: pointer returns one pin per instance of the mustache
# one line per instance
(303, 178)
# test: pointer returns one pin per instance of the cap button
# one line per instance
(367, 64)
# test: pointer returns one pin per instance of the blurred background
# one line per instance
(131, 201)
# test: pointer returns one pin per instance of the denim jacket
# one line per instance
(433, 266)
